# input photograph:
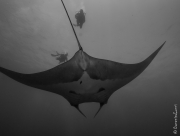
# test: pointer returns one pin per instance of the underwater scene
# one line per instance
(89, 67)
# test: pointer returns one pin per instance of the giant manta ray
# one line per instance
(83, 78)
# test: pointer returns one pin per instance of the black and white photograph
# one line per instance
(89, 67)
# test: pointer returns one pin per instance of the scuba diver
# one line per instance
(80, 18)
(61, 57)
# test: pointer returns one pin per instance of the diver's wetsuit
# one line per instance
(80, 18)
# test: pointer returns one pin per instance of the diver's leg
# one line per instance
(80, 25)
(77, 22)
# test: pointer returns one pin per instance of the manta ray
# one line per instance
(83, 78)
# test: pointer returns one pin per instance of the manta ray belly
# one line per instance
(85, 85)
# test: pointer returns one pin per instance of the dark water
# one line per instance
(123, 31)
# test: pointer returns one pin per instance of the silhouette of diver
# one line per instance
(80, 18)
(61, 57)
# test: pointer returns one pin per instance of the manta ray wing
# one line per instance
(115, 75)
(84, 78)
(104, 69)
